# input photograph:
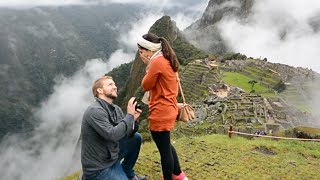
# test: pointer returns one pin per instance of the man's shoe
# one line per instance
(137, 177)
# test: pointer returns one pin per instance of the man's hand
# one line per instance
(131, 106)
(137, 114)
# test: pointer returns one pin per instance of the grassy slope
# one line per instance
(291, 94)
(240, 80)
(218, 157)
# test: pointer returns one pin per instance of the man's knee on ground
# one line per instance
(137, 137)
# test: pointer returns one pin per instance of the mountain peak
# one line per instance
(204, 32)
(217, 9)
(165, 27)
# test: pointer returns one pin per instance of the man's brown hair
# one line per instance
(98, 84)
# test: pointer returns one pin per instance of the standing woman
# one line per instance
(161, 82)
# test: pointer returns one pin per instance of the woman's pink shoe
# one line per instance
(181, 176)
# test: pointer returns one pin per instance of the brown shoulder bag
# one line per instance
(185, 111)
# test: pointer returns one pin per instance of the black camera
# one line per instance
(138, 106)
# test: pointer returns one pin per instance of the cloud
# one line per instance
(120, 57)
(186, 17)
(278, 30)
(128, 40)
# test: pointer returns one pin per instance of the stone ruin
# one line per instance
(219, 89)
(233, 106)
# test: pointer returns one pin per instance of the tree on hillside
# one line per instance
(252, 82)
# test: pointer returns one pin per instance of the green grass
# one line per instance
(315, 131)
(218, 157)
(240, 80)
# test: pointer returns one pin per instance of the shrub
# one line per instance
(280, 86)
(234, 56)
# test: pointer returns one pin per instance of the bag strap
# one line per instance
(180, 88)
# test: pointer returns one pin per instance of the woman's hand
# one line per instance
(144, 59)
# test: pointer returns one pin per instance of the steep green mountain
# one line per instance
(38, 44)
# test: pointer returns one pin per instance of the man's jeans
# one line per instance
(129, 152)
(114, 172)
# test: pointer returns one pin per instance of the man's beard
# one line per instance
(111, 96)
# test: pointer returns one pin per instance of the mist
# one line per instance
(284, 31)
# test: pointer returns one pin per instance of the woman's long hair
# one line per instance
(167, 50)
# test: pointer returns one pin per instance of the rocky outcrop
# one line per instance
(218, 9)
(204, 33)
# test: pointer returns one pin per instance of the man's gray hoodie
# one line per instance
(103, 125)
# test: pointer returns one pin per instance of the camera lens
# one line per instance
(138, 106)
